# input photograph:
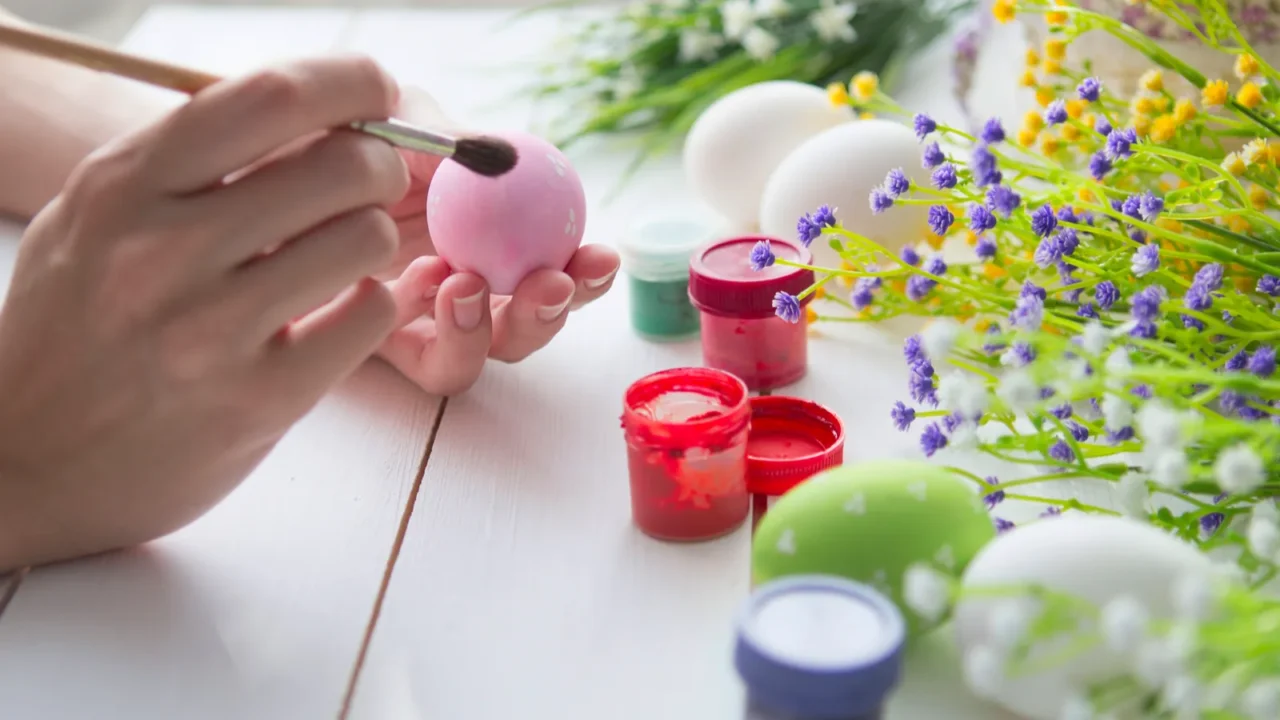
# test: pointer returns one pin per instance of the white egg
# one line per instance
(1094, 557)
(739, 139)
(840, 167)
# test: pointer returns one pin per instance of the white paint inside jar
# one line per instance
(820, 629)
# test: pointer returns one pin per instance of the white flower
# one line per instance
(1118, 362)
(832, 21)
(737, 16)
(759, 43)
(1263, 537)
(1261, 700)
(926, 591)
(1228, 573)
(964, 437)
(1265, 510)
(1194, 596)
(963, 393)
(1117, 412)
(1182, 641)
(1010, 619)
(1170, 469)
(629, 82)
(1183, 695)
(1238, 469)
(1076, 707)
(699, 43)
(772, 8)
(1153, 665)
(1124, 624)
(1133, 492)
(984, 671)
(1018, 391)
(1094, 338)
(938, 338)
(1253, 151)
(1160, 425)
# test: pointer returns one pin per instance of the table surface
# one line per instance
(400, 556)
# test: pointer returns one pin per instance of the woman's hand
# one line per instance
(166, 325)
(448, 324)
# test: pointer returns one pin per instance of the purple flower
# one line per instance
(1048, 252)
(1230, 401)
(933, 156)
(993, 347)
(935, 265)
(980, 218)
(896, 182)
(1144, 329)
(880, 201)
(1106, 294)
(1087, 311)
(1028, 313)
(1043, 221)
(1263, 362)
(1047, 392)
(1103, 127)
(1030, 289)
(913, 350)
(1210, 522)
(1120, 143)
(1249, 412)
(761, 255)
(996, 496)
(944, 178)
(810, 226)
(1072, 296)
(1051, 511)
(902, 416)
(910, 256)
(1002, 525)
(1061, 451)
(940, 219)
(1227, 317)
(1099, 166)
(992, 132)
(1062, 412)
(951, 422)
(1067, 214)
(1210, 276)
(932, 440)
(1068, 241)
(1121, 435)
(1142, 391)
(1089, 89)
(1269, 285)
(862, 294)
(1078, 431)
(919, 287)
(787, 307)
(983, 165)
(1003, 200)
(1132, 206)
(1145, 260)
(1197, 298)
(1151, 206)
(986, 248)
(1192, 323)
(1056, 113)
(924, 125)
(1146, 304)
(1023, 354)
(1239, 361)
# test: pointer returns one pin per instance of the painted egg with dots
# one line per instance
(504, 228)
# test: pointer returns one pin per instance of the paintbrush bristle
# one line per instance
(488, 156)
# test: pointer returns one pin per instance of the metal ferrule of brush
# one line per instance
(407, 136)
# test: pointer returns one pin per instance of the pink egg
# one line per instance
(506, 227)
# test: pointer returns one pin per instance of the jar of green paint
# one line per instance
(655, 257)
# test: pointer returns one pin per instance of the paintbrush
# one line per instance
(481, 154)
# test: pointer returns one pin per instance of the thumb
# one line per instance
(418, 107)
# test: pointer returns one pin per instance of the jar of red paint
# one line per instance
(791, 440)
(741, 332)
(686, 432)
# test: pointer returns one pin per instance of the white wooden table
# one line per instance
(402, 557)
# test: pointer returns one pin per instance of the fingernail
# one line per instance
(548, 313)
(467, 311)
(600, 281)
(430, 292)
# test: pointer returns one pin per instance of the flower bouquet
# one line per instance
(653, 67)
(1114, 323)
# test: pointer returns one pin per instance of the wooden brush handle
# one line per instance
(58, 46)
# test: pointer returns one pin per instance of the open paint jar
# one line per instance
(791, 440)
(818, 647)
(686, 433)
(655, 257)
(741, 332)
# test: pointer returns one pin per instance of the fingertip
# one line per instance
(464, 300)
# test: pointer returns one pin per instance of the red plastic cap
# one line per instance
(722, 281)
(791, 440)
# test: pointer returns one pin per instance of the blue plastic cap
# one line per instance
(818, 646)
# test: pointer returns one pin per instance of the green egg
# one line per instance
(871, 521)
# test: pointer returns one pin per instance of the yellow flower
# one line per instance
(1142, 106)
(982, 325)
(1004, 10)
(866, 116)
(810, 314)
(934, 241)
(1273, 152)
(1163, 129)
(971, 238)
(1055, 18)
(1214, 93)
(1052, 67)
(1152, 80)
(1028, 79)
(1044, 96)
(1246, 65)
(993, 272)
(1255, 152)
(1183, 111)
(1027, 137)
(1075, 108)
(865, 84)
(1085, 195)
(1033, 59)
(837, 94)
(1238, 224)
(1142, 125)
(1249, 96)
(819, 292)
(1055, 48)
(1233, 164)
(1259, 198)
(1160, 103)
(1169, 224)
(1049, 144)
(1089, 120)
(1070, 132)
(1032, 120)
